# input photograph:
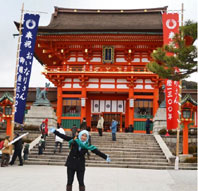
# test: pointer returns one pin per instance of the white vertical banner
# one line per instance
(107, 106)
(96, 106)
(114, 105)
(102, 106)
(120, 106)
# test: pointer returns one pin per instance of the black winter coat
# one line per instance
(18, 145)
(76, 158)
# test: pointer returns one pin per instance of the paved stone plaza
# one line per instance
(53, 178)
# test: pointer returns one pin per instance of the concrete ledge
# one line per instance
(165, 149)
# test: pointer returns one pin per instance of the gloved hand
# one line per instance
(108, 159)
(52, 129)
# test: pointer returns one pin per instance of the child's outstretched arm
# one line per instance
(65, 137)
(102, 155)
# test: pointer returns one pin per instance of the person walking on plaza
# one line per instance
(58, 140)
(17, 150)
(148, 125)
(76, 160)
(83, 125)
(113, 128)
(6, 152)
(100, 125)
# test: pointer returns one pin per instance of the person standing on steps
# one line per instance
(83, 125)
(58, 140)
(76, 160)
(148, 125)
(74, 130)
(100, 125)
(113, 128)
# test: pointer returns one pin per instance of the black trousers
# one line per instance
(17, 153)
(100, 131)
(147, 130)
(70, 176)
(56, 145)
(5, 159)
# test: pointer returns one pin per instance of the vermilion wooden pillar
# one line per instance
(8, 129)
(155, 100)
(59, 104)
(131, 109)
(88, 112)
(83, 108)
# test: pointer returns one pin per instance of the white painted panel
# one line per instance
(138, 87)
(72, 59)
(96, 106)
(80, 59)
(96, 59)
(92, 104)
(102, 106)
(145, 60)
(114, 105)
(148, 81)
(123, 86)
(121, 81)
(108, 80)
(120, 106)
(136, 60)
(68, 80)
(139, 81)
(107, 86)
(93, 86)
(76, 86)
(76, 80)
(93, 80)
(67, 86)
(120, 60)
(108, 106)
(148, 87)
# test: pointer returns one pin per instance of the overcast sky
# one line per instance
(10, 11)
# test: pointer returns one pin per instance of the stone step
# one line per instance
(118, 147)
(108, 152)
(93, 158)
(110, 143)
(121, 155)
(112, 162)
(112, 150)
(104, 165)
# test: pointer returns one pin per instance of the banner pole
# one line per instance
(15, 79)
(179, 111)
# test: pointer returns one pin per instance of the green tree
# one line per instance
(183, 55)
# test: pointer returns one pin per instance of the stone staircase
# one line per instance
(129, 151)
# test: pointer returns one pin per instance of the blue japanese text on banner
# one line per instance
(28, 39)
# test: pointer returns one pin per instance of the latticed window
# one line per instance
(71, 107)
(108, 54)
(8, 110)
(143, 108)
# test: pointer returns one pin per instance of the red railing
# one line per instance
(98, 68)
